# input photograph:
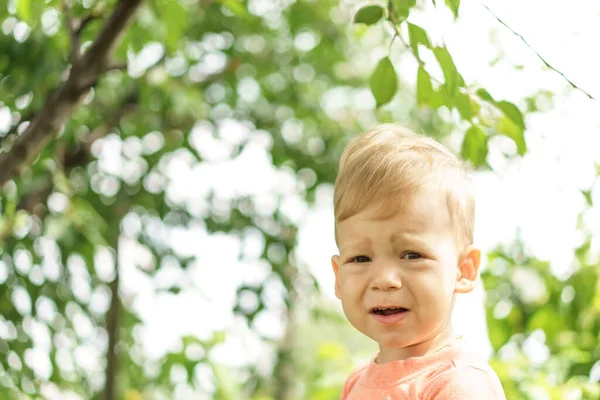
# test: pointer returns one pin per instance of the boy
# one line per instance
(404, 221)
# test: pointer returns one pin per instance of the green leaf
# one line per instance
(417, 35)
(24, 9)
(508, 128)
(465, 106)
(454, 5)
(237, 7)
(437, 99)
(474, 147)
(588, 197)
(512, 112)
(404, 4)
(402, 8)
(226, 387)
(368, 15)
(512, 124)
(383, 82)
(449, 69)
(89, 222)
(424, 87)
(331, 350)
(547, 319)
(176, 19)
(485, 95)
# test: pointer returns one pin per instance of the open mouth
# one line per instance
(388, 310)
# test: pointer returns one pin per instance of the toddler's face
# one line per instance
(397, 277)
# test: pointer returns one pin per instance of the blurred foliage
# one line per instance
(208, 79)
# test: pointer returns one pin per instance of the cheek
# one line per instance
(352, 281)
(434, 299)
(350, 289)
(432, 288)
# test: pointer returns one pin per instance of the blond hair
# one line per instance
(387, 164)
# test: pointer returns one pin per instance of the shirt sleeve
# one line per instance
(466, 383)
(350, 382)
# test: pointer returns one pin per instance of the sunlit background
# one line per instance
(536, 198)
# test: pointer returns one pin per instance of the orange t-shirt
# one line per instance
(449, 374)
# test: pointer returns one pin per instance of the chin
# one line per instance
(391, 341)
(393, 344)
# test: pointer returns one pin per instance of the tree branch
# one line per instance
(117, 66)
(573, 85)
(393, 19)
(75, 27)
(113, 315)
(79, 154)
(73, 33)
(63, 101)
(112, 326)
(86, 20)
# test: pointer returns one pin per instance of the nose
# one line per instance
(386, 278)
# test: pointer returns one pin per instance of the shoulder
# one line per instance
(465, 377)
(351, 381)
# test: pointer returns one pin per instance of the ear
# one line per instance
(468, 270)
(335, 260)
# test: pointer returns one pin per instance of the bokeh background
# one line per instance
(170, 235)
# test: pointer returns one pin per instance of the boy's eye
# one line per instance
(411, 255)
(360, 259)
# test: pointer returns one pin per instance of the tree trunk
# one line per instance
(112, 326)
(285, 369)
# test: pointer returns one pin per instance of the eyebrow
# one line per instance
(404, 237)
(411, 239)
(361, 244)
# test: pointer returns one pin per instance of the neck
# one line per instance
(429, 346)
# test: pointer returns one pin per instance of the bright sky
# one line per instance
(538, 194)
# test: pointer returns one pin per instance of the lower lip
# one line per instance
(390, 319)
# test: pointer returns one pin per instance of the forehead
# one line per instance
(423, 214)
